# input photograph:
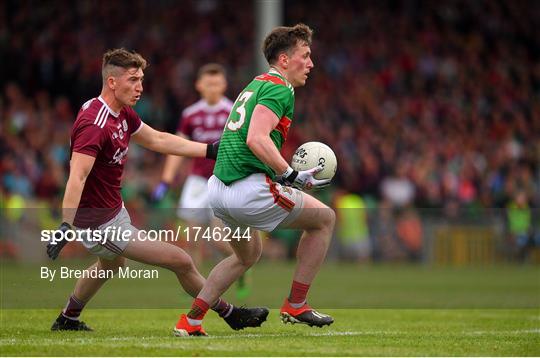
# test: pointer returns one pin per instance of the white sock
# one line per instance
(70, 318)
(297, 305)
(194, 322)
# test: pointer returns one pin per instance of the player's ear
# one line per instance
(111, 82)
(283, 60)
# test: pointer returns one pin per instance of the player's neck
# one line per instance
(111, 101)
(279, 71)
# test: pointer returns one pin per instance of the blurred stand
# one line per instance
(435, 119)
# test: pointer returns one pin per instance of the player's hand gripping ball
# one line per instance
(312, 154)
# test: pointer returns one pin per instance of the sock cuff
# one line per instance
(68, 317)
(201, 304)
(216, 304)
(229, 311)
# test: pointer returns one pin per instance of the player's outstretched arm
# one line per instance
(168, 143)
(172, 163)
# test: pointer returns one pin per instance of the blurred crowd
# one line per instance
(50, 68)
(437, 104)
(427, 104)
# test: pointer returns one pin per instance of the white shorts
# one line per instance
(254, 202)
(193, 203)
(112, 245)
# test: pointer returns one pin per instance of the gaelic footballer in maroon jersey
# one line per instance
(204, 123)
(99, 147)
(103, 134)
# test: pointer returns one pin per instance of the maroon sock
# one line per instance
(198, 309)
(73, 308)
(298, 292)
(222, 307)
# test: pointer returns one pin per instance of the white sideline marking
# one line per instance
(45, 341)
(264, 335)
(174, 341)
(517, 331)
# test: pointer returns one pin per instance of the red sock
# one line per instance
(298, 292)
(198, 309)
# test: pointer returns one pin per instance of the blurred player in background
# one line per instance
(203, 122)
(99, 145)
(243, 194)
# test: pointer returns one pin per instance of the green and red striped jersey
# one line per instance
(235, 160)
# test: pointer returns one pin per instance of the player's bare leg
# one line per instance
(222, 246)
(222, 276)
(174, 258)
(317, 220)
(158, 254)
(197, 252)
(243, 289)
(168, 256)
(177, 260)
(194, 249)
(85, 289)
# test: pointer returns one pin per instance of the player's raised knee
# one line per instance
(249, 260)
(179, 261)
(326, 218)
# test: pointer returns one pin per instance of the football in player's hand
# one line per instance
(312, 154)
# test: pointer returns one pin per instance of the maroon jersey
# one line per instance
(204, 123)
(104, 135)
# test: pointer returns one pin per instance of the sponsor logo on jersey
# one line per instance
(119, 156)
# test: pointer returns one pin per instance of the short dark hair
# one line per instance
(283, 39)
(211, 69)
(120, 57)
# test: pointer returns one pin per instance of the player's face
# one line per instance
(128, 86)
(211, 87)
(299, 65)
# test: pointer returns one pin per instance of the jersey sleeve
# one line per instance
(277, 98)
(134, 121)
(89, 139)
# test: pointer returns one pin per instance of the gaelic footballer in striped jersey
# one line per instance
(254, 186)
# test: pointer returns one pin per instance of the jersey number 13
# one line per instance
(234, 125)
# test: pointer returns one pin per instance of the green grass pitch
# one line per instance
(386, 332)
(383, 310)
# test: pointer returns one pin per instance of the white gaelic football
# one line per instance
(311, 154)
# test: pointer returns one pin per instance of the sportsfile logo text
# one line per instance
(112, 233)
